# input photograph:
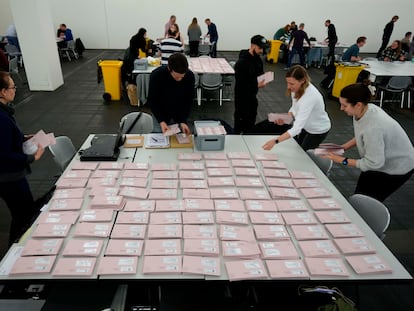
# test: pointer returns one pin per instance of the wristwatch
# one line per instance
(276, 141)
(345, 161)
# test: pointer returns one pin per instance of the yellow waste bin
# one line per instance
(111, 71)
(273, 55)
(346, 74)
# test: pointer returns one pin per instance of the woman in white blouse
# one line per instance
(311, 122)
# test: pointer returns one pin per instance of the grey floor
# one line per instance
(77, 109)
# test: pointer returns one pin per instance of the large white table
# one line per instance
(388, 69)
(289, 153)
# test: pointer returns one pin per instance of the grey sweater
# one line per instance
(382, 143)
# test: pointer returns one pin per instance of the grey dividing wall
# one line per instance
(109, 24)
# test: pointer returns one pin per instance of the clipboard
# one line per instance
(175, 144)
(134, 141)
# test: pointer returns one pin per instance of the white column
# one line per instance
(36, 33)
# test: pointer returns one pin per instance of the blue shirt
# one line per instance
(353, 50)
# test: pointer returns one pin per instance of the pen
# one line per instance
(154, 139)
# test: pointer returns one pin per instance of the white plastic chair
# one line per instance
(143, 125)
(63, 151)
(374, 213)
(324, 164)
(70, 49)
(396, 85)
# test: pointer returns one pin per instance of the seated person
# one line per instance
(171, 93)
(64, 33)
(352, 53)
(393, 53)
(169, 46)
(406, 41)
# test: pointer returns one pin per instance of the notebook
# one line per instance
(104, 147)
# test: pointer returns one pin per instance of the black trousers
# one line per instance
(304, 139)
(379, 185)
(331, 52)
(19, 199)
(194, 48)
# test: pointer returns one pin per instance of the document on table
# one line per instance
(286, 117)
(157, 141)
(267, 77)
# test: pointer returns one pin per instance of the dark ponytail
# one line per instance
(358, 92)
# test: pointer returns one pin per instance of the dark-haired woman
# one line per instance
(393, 53)
(14, 164)
(386, 153)
(139, 41)
(311, 122)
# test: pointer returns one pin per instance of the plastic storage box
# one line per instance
(141, 64)
(208, 142)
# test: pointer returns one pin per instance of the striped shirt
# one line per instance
(168, 47)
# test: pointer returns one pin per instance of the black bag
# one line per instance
(321, 298)
(79, 46)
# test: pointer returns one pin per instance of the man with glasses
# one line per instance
(171, 93)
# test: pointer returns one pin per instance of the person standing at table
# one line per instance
(194, 34)
(171, 93)
(139, 42)
(296, 41)
(169, 46)
(386, 36)
(352, 53)
(393, 53)
(168, 24)
(248, 67)
(386, 152)
(213, 35)
(311, 121)
(332, 39)
(14, 164)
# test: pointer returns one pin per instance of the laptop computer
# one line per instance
(104, 147)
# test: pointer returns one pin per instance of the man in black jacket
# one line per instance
(247, 69)
(389, 27)
(332, 39)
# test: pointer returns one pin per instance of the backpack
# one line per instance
(79, 46)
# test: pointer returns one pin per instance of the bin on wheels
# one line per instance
(345, 75)
(111, 71)
(273, 55)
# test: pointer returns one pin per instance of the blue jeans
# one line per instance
(292, 53)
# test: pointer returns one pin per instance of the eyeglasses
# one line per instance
(13, 87)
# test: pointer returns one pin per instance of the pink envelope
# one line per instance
(139, 205)
(202, 247)
(96, 216)
(246, 171)
(319, 248)
(332, 217)
(284, 193)
(231, 217)
(254, 194)
(271, 232)
(265, 156)
(134, 193)
(278, 250)
(219, 172)
(190, 156)
(287, 269)
(116, 202)
(165, 218)
(106, 174)
(84, 166)
(33, 265)
(164, 183)
(193, 165)
(111, 165)
(71, 193)
(270, 172)
(77, 174)
(220, 181)
(299, 218)
(326, 267)
(162, 265)
(58, 217)
(236, 233)
(83, 247)
(42, 247)
(291, 205)
(215, 156)
(324, 204)
(199, 205)
(368, 264)
(51, 230)
(243, 163)
(266, 218)
(117, 265)
(196, 193)
(102, 182)
(165, 231)
(309, 232)
(229, 205)
(318, 192)
(169, 205)
(135, 173)
(302, 175)
(79, 266)
(133, 182)
(132, 217)
(163, 166)
(354, 246)
(191, 175)
(306, 183)
(165, 175)
(90, 229)
(65, 204)
(344, 230)
(128, 231)
(123, 247)
(104, 191)
(240, 249)
(249, 182)
(200, 232)
(136, 166)
(274, 165)
(198, 218)
(261, 205)
(238, 155)
(71, 183)
(163, 194)
(201, 265)
(162, 247)
(193, 184)
(246, 270)
(279, 182)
